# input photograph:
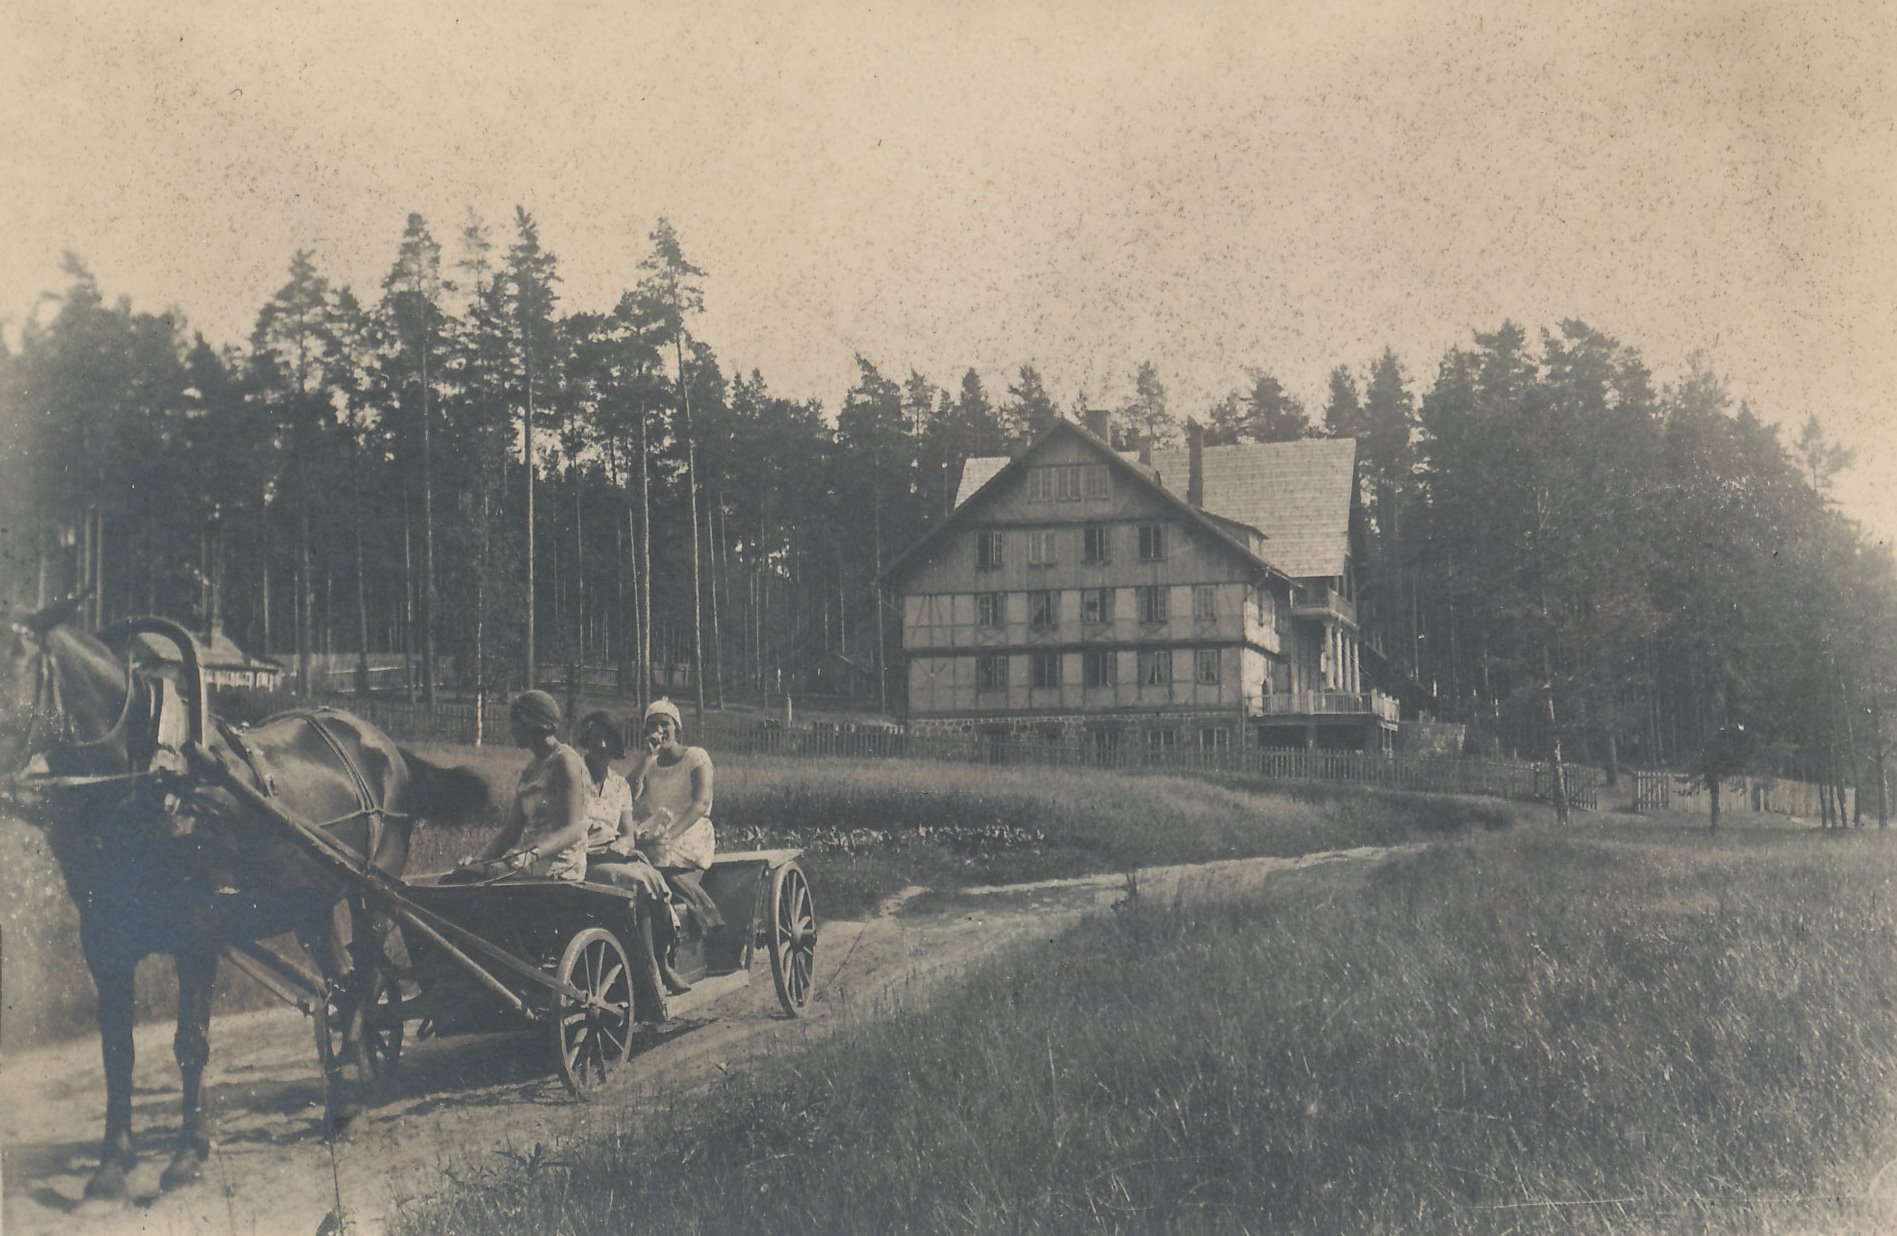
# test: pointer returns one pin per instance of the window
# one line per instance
(1041, 547)
(988, 550)
(1046, 669)
(1096, 665)
(1152, 602)
(1205, 601)
(1266, 604)
(1156, 668)
(1096, 605)
(1044, 610)
(1152, 542)
(991, 609)
(1067, 482)
(1215, 738)
(1094, 543)
(1162, 740)
(1205, 666)
(991, 672)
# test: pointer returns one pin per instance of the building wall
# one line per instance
(944, 634)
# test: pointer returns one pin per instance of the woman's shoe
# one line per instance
(674, 985)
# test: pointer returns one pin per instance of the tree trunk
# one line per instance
(713, 518)
(429, 596)
(1557, 773)
(645, 562)
(1877, 756)
(305, 602)
(691, 494)
(527, 455)
(408, 598)
(362, 589)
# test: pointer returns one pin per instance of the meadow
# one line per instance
(869, 828)
(1609, 1029)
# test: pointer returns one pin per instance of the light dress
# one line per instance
(539, 801)
(605, 803)
(670, 789)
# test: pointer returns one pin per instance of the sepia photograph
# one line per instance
(1037, 617)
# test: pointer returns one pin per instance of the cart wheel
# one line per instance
(593, 1033)
(793, 938)
(361, 1025)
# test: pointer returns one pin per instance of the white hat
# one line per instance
(664, 708)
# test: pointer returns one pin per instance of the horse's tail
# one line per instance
(445, 795)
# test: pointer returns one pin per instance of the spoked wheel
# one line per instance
(793, 938)
(593, 1032)
(361, 1025)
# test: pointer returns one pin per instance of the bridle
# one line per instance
(48, 724)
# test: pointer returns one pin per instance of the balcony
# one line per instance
(1330, 704)
(1320, 601)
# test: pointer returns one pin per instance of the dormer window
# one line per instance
(1067, 482)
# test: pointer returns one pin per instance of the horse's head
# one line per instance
(30, 717)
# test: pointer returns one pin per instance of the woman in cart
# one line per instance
(548, 828)
(671, 813)
(611, 853)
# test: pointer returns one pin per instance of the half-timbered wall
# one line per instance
(1077, 590)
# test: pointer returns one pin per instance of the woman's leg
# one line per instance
(641, 951)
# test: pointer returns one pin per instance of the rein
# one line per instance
(49, 703)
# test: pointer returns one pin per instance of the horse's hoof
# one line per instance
(186, 1167)
(108, 1181)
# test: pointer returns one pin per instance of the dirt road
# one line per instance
(458, 1108)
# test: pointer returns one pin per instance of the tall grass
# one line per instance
(1522, 1032)
(868, 828)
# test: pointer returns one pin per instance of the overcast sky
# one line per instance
(1212, 186)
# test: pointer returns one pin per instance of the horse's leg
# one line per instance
(330, 945)
(197, 978)
(116, 1158)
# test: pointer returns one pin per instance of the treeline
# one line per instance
(461, 471)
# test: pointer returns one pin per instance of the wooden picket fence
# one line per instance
(728, 734)
(1663, 790)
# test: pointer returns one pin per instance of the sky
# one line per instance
(1211, 186)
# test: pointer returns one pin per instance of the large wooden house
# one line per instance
(1201, 596)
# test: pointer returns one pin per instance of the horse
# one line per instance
(159, 860)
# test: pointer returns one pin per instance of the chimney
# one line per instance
(1195, 464)
(1145, 444)
(1096, 422)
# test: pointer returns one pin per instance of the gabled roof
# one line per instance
(995, 468)
(1297, 493)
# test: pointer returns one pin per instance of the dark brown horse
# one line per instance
(159, 861)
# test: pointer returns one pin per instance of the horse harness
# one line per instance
(156, 754)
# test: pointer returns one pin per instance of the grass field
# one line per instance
(1599, 1031)
(868, 827)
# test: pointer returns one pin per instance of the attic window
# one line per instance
(1067, 482)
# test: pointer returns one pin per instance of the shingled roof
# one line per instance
(1296, 493)
(983, 471)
